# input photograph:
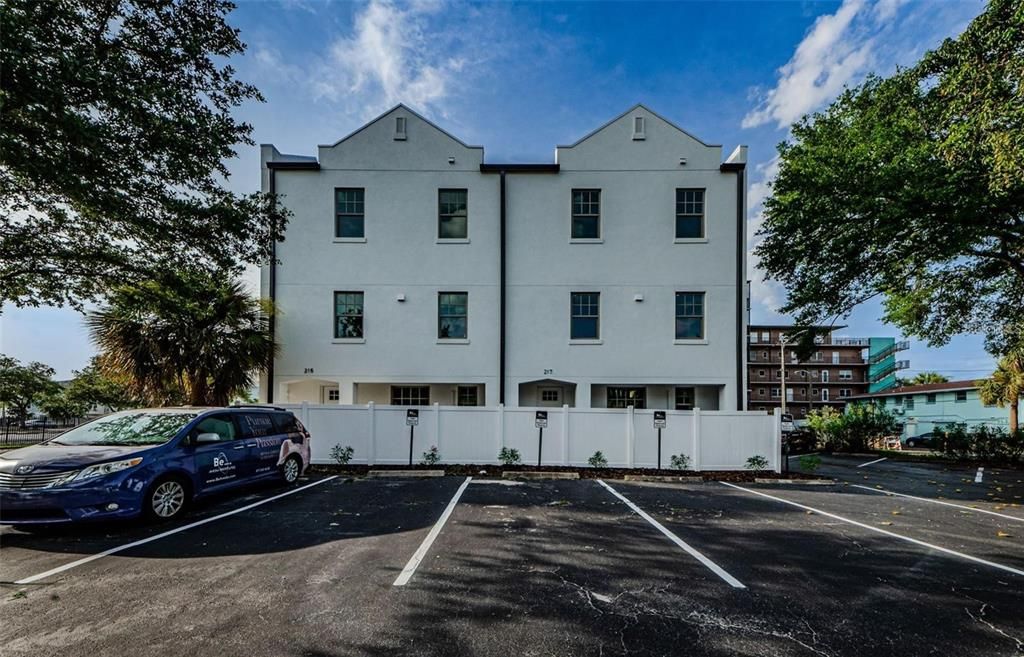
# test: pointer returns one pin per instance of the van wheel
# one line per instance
(166, 499)
(910, 443)
(291, 469)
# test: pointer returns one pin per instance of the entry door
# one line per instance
(549, 396)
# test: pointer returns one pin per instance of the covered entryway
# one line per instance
(547, 393)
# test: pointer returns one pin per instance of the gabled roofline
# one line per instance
(633, 109)
(407, 109)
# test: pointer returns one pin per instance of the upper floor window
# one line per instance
(961, 395)
(619, 397)
(909, 403)
(689, 213)
(348, 213)
(452, 215)
(410, 395)
(452, 314)
(689, 315)
(929, 398)
(586, 316)
(586, 214)
(348, 315)
(846, 375)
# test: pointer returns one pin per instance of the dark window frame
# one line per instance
(582, 210)
(340, 216)
(404, 396)
(683, 405)
(587, 305)
(459, 398)
(686, 210)
(441, 316)
(638, 393)
(702, 296)
(444, 210)
(360, 316)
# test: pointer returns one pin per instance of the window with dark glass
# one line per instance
(689, 315)
(586, 214)
(452, 315)
(929, 398)
(685, 398)
(348, 213)
(586, 310)
(453, 217)
(621, 397)
(467, 396)
(961, 395)
(689, 213)
(348, 315)
(410, 395)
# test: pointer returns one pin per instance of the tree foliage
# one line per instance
(22, 386)
(852, 430)
(94, 387)
(1006, 386)
(188, 337)
(928, 377)
(912, 188)
(115, 123)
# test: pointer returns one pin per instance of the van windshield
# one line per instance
(128, 428)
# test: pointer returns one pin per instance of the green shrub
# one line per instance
(342, 455)
(680, 462)
(598, 460)
(851, 431)
(431, 456)
(980, 443)
(809, 463)
(757, 462)
(509, 456)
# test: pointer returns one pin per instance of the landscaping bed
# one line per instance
(496, 471)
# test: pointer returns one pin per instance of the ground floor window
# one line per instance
(620, 397)
(685, 399)
(410, 395)
(467, 396)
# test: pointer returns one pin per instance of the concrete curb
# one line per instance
(664, 478)
(527, 474)
(397, 474)
(809, 482)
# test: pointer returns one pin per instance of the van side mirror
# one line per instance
(207, 438)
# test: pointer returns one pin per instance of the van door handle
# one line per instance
(250, 444)
(239, 446)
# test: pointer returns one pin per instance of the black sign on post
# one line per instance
(660, 422)
(540, 421)
(412, 418)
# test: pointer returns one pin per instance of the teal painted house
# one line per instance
(926, 408)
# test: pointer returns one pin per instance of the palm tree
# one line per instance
(192, 337)
(928, 377)
(1006, 385)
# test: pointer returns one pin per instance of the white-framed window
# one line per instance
(639, 128)
(752, 337)
(689, 315)
(686, 398)
(348, 315)
(400, 127)
(824, 376)
(961, 395)
(410, 395)
(766, 336)
(846, 375)
(909, 402)
(929, 398)
(835, 357)
(844, 392)
(760, 373)
(452, 315)
(789, 394)
(467, 396)
(585, 320)
(621, 397)
(689, 214)
(776, 393)
(824, 394)
(586, 214)
(452, 214)
(760, 392)
(753, 356)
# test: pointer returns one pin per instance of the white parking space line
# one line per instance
(979, 475)
(711, 565)
(879, 530)
(886, 491)
(128, 546)
(796, 456)
(884, 458)
(417, 557)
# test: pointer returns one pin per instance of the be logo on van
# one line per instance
(221, 463)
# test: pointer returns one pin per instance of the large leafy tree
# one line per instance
(187, 336)
(115, 123)
(912, 188)
(1006, 386)
(22, 386)
(927, 377)
(94, 387)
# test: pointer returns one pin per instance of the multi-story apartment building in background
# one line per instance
(838, 369)
(413, 272)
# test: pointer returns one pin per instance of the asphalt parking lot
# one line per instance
(445, 567)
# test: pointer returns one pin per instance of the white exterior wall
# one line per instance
(401, 255)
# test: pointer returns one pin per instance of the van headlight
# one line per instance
(101, 469)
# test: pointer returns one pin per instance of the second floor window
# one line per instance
(452, 315)
(452, 214)
(348, 315)
(586, 214)
(689, 213)
(348, 213)
(689, 315)
(586, 311)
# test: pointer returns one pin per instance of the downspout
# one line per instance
(501, 294)
(272, 284)
(740, 289)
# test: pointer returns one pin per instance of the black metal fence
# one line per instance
(33, 431)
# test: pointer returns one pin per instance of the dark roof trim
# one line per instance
(519, 168)
(726, 167)
(294, 166)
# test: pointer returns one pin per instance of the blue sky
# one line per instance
(521, 78)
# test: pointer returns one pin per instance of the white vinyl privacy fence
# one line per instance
(713, 440)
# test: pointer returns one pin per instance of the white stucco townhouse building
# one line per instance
(413, 272)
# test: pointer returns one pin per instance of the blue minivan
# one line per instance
(149, 462)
